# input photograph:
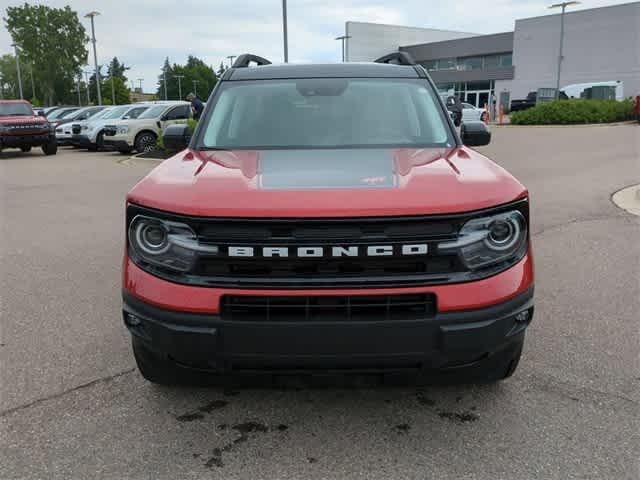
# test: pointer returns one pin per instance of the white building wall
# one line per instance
(372, 40)
(600, 44)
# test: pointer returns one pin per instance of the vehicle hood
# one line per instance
(326, 183)
(23, 119)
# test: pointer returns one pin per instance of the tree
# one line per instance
(221, 70)
(121, 90)
(196, 75)
(52, 40)
(117, 69)
(8, 77)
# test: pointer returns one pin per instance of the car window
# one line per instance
(327, 113)
(153, 112)
(13, 109)
(178, 113)
(115, 113)
(58, 114)
(135, 112)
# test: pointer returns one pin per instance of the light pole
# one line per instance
(343, 38)
(564, 6)
(164, 80)
(231, 57)
(179, 77)
(113, 92)
(33, 86)
(284, 31)
(78, 88)
(15, 47)
(139, 80)
(91, 15)
(195, 86)
(86, 79)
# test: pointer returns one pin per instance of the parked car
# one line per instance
(577, 90)
(64, 131)
(454, 105)
(327, 217)
(58, 114)
(141, 134)
(21, 127)
(90, 133)
(471, 113)
(518, 105)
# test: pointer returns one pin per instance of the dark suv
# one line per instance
(21, 128)
(327, 218)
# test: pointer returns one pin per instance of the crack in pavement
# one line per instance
(37, 401)
(620, 216)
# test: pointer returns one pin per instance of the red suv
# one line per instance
(21, 128)
(328, 218)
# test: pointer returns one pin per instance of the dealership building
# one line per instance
(600, 45)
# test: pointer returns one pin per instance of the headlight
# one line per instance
(490, 240)
(123, 129)
(167, 244)
(85, 127)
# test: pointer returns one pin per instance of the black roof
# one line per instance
(328, 70)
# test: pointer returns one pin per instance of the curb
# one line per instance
(576, 125)
(628, 199)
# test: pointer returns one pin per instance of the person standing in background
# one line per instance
(196, 106)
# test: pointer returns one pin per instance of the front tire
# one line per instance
(145, 142)
(50, 148)
(26, 149)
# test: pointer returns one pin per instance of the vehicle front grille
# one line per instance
(76, 129)
(327, 269)
(327, 308)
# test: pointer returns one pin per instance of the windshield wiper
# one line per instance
(216, 149)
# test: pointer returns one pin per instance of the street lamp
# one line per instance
(343, 38)
(231, 57)
(164, 80)
(86, 79)
(78, 88)
(91, 15)
(195, 86)
(179, 77)
(564, 6)
(15, 47)
(284, 31)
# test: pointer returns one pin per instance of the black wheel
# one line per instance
(94, 147)
(153, 367)
(145, 142)
(50, 148)
(25, 149)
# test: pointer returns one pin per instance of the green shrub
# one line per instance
(568, 112)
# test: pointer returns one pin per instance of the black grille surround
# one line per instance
(327, 308)
(326, 272)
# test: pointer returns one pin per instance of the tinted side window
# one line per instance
(179, 113)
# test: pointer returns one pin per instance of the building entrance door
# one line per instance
(477, 98)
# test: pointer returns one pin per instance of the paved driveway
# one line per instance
(74, 407)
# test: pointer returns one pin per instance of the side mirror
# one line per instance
(475, 134)
(176, 137)
(164, 118)
(41, 113)
(126, 117)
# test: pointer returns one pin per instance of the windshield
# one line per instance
(87, 113)
(326, 113)
(15, 109)
(115, 113)
(154, 112)
(57, 114)
(135, 112)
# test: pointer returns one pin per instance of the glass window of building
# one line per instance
(506, 60)
(472, 63)
(491, 61)
(447, 64)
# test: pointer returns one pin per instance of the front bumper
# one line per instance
(445, 341)
(17, 141)
(82, 141)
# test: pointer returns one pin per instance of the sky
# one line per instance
(141, 33)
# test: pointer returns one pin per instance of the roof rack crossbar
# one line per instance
(244, 60)
(397, 58)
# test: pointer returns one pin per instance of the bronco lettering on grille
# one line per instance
(331, 251)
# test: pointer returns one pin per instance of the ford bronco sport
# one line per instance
(21, 128)
(328, 218)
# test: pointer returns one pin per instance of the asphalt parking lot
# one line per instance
(73, 407)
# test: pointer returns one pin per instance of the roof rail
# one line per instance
(397, 58)
(244, 60)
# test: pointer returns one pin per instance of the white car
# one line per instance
(63, 127)
(471, 113)
(142, 133)
(90, 133)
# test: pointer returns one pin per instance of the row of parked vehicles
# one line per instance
(125, 128)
